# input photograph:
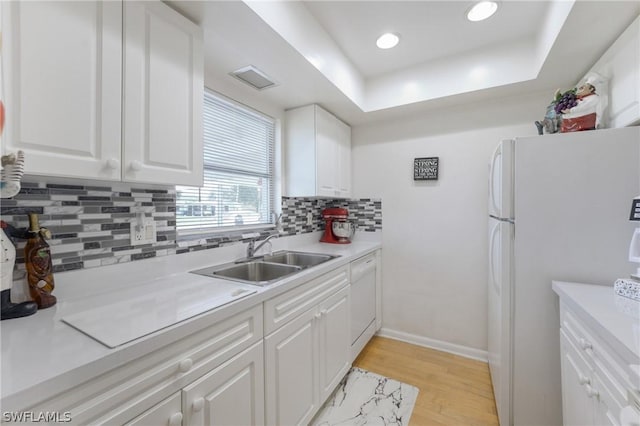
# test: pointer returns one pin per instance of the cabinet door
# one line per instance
(327, 153)
(63, 67)
(334, 341)
(291, 384)
(577, 405)
(232, 394)
(621, 64)
(163, 87)
(166, 413)
(344, 159)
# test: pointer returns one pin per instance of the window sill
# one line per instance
(232, 232)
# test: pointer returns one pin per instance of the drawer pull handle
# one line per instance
(318, 315)
(584, 380)
(175, 419)
(185, 365)
(323, 312)
(198, 404)
(592, 392)
(585, 344)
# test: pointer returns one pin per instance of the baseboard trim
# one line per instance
(435, 344)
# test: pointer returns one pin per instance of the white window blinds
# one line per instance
(238, 170)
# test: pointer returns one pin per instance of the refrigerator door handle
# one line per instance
(492, 196)
(492, 240)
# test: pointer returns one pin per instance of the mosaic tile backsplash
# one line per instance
(367, 213)
(90, 224)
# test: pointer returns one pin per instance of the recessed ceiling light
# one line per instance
(387, 40)
(482, 10)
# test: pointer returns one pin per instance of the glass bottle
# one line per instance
(37, 257)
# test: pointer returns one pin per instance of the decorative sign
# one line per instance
(635, 209)
(425, 168)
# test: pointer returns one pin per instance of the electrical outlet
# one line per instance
(309, 218)
(145, 234)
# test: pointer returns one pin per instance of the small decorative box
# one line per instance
(627, 288)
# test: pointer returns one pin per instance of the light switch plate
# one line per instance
(145, 234)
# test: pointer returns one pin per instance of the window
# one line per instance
(238, 170)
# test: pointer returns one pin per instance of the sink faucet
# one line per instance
(252, 249)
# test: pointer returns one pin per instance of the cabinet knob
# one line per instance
(592, 392)
(175, 419)
(136, 166)
(198, 404)
(585, 344)
(185, 365)
(113, 163)
(584, 380)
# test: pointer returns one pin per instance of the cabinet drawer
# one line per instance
(287, 306)
(144, 382)
(166, 413)
(613, 384)
(577, 333)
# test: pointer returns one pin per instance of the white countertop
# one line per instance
(615, 318)
(43, 356)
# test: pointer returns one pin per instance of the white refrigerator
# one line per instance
(558, 210)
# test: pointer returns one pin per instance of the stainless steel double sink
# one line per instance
(266, 269)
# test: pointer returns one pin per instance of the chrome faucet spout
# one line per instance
(252, 249)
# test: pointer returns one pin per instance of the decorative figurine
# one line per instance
(9, 309)
(12, 171)
(580, 108)
(581, 116)
(550, 124)
(37, 257)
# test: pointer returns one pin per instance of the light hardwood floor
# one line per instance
(453, 390)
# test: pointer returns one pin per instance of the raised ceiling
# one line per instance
(324, 51)
(429, 30)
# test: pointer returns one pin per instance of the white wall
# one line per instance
(435, 233)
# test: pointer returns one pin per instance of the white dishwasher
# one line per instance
(363, 302)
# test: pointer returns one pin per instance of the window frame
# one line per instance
(203, 230)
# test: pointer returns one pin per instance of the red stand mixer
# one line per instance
(338, 229)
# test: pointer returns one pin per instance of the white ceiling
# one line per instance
(324, 51)
(429, 30)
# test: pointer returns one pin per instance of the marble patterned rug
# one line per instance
(366, 398)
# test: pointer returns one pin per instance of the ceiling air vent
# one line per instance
(253, 77)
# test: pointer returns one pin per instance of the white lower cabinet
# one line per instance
(594, 379)
(334, 342)
(220, 361)
(306, 358)
(232, 394)
(291, 383)
(577, 404)
(166, 413)
(228, 373)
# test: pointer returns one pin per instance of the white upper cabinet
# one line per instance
(63, 77)
(163, 86)
(318, 154)
(82, 103)
(621, 66)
